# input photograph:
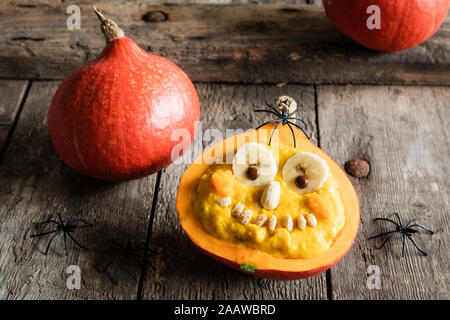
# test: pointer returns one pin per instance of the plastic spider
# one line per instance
(405, 230)
(66, 228)
(287, 106)
(124, 255)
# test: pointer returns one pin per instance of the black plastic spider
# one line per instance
(284, 116)
(67, 228)
(405, 230)
(126, 254)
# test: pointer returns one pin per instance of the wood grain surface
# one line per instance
(35, 185)
(244, 43)
(403, 132)
(11, 96)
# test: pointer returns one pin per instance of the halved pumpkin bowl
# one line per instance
(253, 261)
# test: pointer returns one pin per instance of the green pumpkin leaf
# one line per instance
(248, 267)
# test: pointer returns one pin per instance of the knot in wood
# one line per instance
(155, 16)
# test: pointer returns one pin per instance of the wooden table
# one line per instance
(392, 110)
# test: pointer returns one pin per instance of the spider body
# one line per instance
(123, 255)
(284, 116)
(406, 231)
(65, 228)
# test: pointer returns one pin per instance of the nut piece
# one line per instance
(237, 210)
(286, 102)
(271, 195)
(311, 220)
(357, 168)
(224, 202)
(287, 222)
(260, 220)
(245, 216)
(301, 221)
(272, 222)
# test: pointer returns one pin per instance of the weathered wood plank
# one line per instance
(181, 271)
(226, 43)
(36, 184)
(283, 2)
(404, 134)
(11, 95)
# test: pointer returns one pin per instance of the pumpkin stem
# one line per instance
(109, 28)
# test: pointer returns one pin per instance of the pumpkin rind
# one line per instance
(404, 23)
(266, 265)
(113, 118)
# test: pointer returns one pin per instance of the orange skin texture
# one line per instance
(267, 266)
(404, 23)
(112, 119)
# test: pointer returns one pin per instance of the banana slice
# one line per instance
(305, 172)
(254, 165)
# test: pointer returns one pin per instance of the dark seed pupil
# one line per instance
(301, 182)
(252, 173)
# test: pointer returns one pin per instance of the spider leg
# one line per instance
(271, 121)
(382, 234)
(50, 241)
(48, 221)
(403, 244)
(415, 244)
(296, 125)
(398, 218)
(65, 243)
(293, 134)
(60, 219)
(301, 120)
(86, 224)
(274, 109)
(409, 230)
(409, 223)
(44, 233)
(385, 241)
(76, 242)
(117, 273)
(273, 131)
(422, 227)
(110, 262)
(386, 219)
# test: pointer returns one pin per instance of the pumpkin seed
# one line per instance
(287, 222)
(311, 219)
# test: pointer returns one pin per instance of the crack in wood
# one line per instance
(27, 39)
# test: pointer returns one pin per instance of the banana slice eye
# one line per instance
(254, 165)
(305, 172)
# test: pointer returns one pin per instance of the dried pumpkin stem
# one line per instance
(109, 28)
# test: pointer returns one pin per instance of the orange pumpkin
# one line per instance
(257, 262)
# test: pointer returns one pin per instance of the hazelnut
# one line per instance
(357, 168)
